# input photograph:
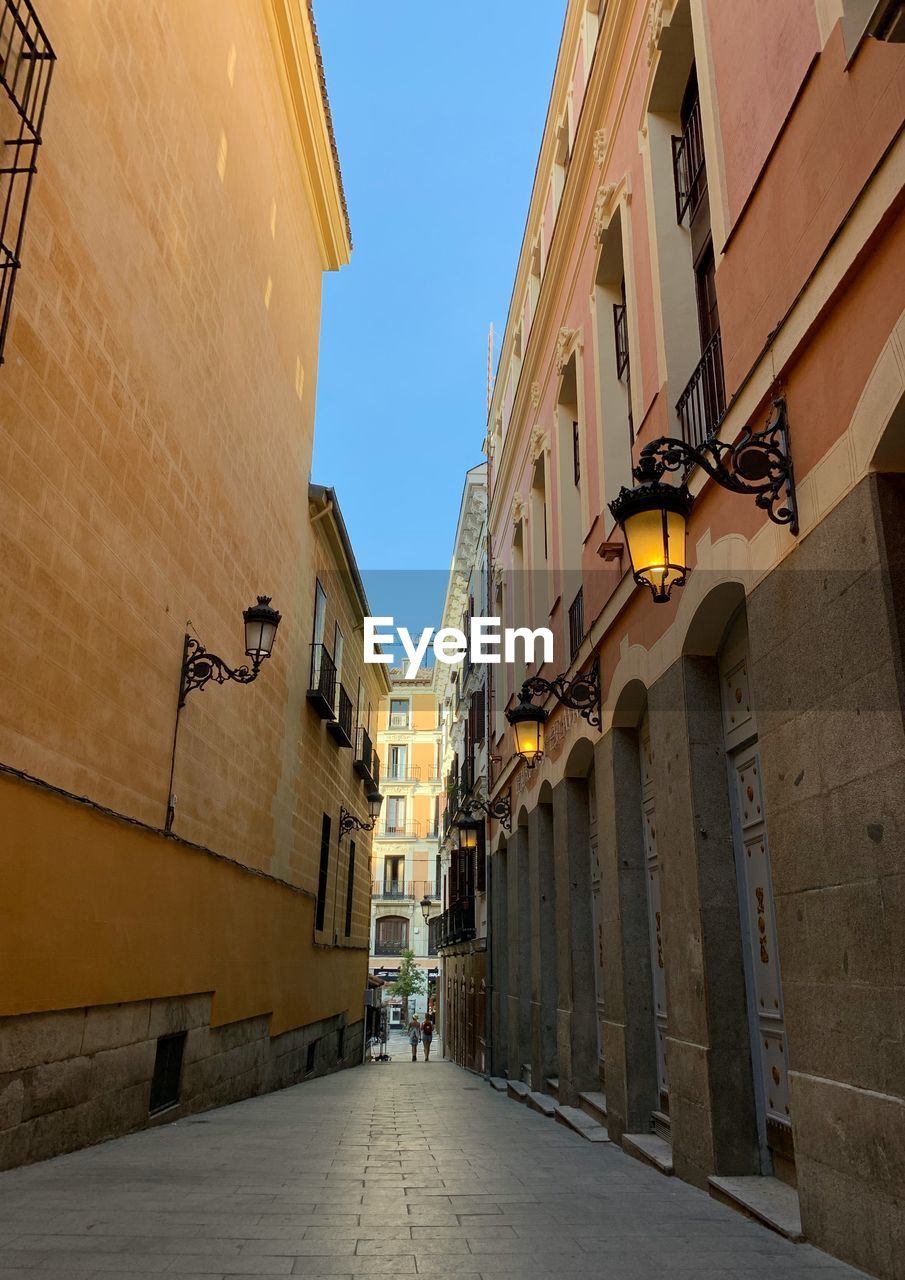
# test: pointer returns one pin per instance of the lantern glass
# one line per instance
(656, 544)
(468, 837)
(426, 909)
(261, 622)
(375, 801)
(529, 739)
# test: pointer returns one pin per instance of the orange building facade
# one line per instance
(696, 921)
(183, 922)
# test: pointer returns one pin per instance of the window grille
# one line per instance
(26, 66)
(167, 1073)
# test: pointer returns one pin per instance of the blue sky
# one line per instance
(438, 111)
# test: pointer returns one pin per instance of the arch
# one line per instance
(580, 759)
(545, 795)
(631, 704)
(711, 619)
(522, 818)
(889, 454)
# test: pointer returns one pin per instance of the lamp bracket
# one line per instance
(758, 463)
(582, 692)
(348, 822)
(499, 809)
(200, 667)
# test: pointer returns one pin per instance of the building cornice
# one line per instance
(301, 73)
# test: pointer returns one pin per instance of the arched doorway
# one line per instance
(769, 1048)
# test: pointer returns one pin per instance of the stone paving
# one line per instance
(391, 1170)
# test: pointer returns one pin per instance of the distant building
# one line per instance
(460, 933)
(405, 863)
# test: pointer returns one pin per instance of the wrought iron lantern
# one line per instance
(348, 821)
(426, 905)
(654, 514)
(581, 693)
(468, 834)
(199, 666)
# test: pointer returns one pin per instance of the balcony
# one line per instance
(396, 890)
(402, 829)
(456, 924)
(576, 624)
(322, 682)
(341, 727)
(364, 761)
(702, 404)
(404, 775)
(688, 167)
(392, 948)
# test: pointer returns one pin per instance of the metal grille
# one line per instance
(703, 402)
(576, 623)
(26, 66)
(167, 1072)
(689, 172)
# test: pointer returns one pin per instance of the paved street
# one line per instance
(383, 1170)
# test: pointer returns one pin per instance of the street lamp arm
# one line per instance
(582, 692)
(348, 822)
(199, 667)
(499, 809)
(758, 463)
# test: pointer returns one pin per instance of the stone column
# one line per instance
(519, 938)
(576, 1015)
(708, 1054)
(629, 1047)
(542, 897)
(499, 942)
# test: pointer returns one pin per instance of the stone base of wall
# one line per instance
(72, 1078)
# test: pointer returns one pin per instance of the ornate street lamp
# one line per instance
(199, 666)
(582, 693)
(499, 809)
(348, 821)
(468, 834)
(426, 905)
(654, 514)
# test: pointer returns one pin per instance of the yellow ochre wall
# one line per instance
(215, 926)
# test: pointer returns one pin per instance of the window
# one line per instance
(398, 762)
(323, 874)
(392, 936)
(438, 875)
(320, 613)
(395, 821)
(623, 367)
(399, 713)
(167, 1073)
(576, 454)
(394, 877)
(889, 22)
(350, 890)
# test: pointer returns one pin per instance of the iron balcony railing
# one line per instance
(26, 66)
(688, 167)
(402, 829)
(620, 328)
(456, 924)
(322, 682)
(702, 404)
(391, 948)
(341, 727)
(396, 889)
(412, 774)
(365, 761)
(576, 623)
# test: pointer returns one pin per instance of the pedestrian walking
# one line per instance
(427, 1035)
(414, 1036)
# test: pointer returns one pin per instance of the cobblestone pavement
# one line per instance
(394, 1169)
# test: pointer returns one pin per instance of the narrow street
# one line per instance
(390, 1170)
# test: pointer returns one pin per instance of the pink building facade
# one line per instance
(696, 920)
